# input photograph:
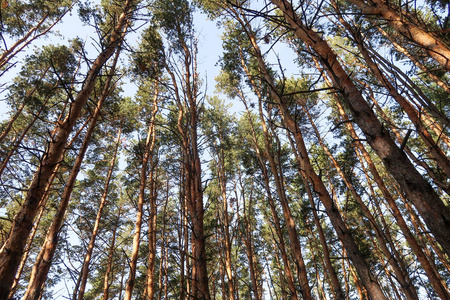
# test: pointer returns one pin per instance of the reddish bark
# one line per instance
(23, 221)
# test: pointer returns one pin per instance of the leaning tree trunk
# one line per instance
(45, 257)
(435, 151)
(290, 222)
(23, 221)
(405, 283)
(337, 291)
(276, 220)
(410, 238)
(417, 189)
(367, 277)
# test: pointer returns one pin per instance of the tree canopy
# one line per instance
(316, 167)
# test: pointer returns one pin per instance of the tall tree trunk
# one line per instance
(40, 213)
(150, 286)
(45, 257)
(109, 268)
(276, 220)
(146, 156)
(90, 247)
(407, 285)
(438, 50)
(336, 285)
(292, 232)
(432, 147)
(23, 221)
(248, 238)
(290, 223)
(220, 163)
(182, 238)
(418, 190)
(367, 277)
(432, 276)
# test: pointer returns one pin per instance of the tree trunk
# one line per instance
(430, 43)
(432, 276)
(290, 223)
(276, 219)
(152, 222)
(45, 257)
(407, 286)
(336, 285)
(418, 190)
(146, 156)
(436, 152)
(248, 239)
(90, 248)
(112, 247)
(23, 221)
(367, 277)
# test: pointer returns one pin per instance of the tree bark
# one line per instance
(367, 277)
(417, 189)
(276, 219)
(430, 43)
(109, 268)
(338, 293)
(146, 156)
(417, 249)
(103, 199)
(290, 223)
(23, 221)
(248, 239)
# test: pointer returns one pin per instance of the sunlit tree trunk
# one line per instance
(338, 293)
(418, 190)
(23, 221)
(31, 35)
(109, 268)
(103, 199)
(276, 220)
(417, 249)
(438, 50)
(407, 285)
(146, 156)
(45, 257)
(290, 223)
(413, 115)
(248, 238)
(367, 277)
(41, 212)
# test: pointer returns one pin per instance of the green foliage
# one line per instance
(149, 59)
(19, 16)
(175, 20)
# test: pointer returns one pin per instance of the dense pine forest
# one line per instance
(315, 165)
